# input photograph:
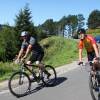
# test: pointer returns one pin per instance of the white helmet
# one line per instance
(24, 33)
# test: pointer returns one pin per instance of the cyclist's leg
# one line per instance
(91, 56)
(38, 59)
(41, 65)
(30, 59)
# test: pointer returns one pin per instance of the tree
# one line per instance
(94, 19)
(72, 22)
(49, 27)
(67, 25)
(41, 33)
(62, 23)
(23, 21)
(80, 21)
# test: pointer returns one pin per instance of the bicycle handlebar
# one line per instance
(80, 63)
(85, 63)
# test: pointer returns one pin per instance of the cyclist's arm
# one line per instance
(80, 47)
(28, 50)
(80, 55)
(96, 50)
(20, 53)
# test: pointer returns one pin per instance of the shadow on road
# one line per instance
(41, 85)
(60, 80)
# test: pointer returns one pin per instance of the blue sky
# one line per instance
(46, 9)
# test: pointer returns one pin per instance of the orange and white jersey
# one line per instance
(87, 43)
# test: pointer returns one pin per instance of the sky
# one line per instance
(46, 9)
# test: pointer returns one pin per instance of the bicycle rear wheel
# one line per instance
(19, 84)
(49, 76)
(93, 93)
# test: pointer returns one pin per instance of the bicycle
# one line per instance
(94, 80)
(20, 82)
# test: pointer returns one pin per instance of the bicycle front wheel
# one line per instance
(49, 76)
(91, 86)
(19, 84)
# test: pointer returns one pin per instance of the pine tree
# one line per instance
(23, 21)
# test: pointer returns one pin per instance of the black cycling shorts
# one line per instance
(36, 56)
(91, 55)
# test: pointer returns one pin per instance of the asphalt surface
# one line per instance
(72, 84)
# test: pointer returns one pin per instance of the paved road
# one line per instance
(72, 85)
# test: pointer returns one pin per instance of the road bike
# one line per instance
(20, 82)
(94, 80)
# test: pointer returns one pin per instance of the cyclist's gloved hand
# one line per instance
(96, 60)
(16, 61)
(23, 59)
(80, 63)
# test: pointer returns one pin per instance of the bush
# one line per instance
(8, 44)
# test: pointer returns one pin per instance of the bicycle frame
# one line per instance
(24, 65)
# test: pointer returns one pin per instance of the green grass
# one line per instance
(6, 70)
(58, 51)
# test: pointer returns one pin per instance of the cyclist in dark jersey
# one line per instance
(31, 49)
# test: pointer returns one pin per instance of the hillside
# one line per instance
(59, 50)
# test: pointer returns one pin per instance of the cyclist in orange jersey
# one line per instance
(90, 45)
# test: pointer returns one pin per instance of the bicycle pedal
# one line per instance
(38, 79)
(33, 80)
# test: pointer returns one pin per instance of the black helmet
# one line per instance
(81, 31)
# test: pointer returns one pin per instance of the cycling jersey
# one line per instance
(37, 51)
(87, 43)
(35, 46)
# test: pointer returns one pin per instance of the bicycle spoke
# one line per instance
(49, 76)
(19, 84)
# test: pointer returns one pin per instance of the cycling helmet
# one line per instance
(24, 33)
(81, 31)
